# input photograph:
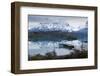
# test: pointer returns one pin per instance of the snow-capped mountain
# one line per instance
(55, 26)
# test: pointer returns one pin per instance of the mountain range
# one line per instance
(56, 32)
(55, 26)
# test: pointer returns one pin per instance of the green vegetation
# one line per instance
(51, 36)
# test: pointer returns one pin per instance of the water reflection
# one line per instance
(43, 47)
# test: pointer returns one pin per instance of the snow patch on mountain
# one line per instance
(53, 26)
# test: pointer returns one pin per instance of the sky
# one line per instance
(75, 22)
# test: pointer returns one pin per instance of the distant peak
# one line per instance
(54, 26)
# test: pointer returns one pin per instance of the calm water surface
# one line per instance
(42, 47)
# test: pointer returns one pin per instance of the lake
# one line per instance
(43, 47)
